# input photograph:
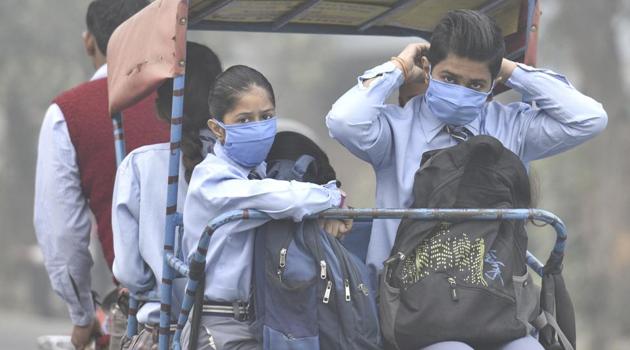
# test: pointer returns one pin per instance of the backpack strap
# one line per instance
(561, 342)
(302, 165)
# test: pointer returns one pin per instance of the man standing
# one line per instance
(76, 168)
(459, 68)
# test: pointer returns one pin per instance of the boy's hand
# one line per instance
(507, 67)
(411, 56)
(82, 336)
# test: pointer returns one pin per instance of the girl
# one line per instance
(242, 108)
(140, 189)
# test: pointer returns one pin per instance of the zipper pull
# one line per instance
(283, 257)
(362, 287)
(453, 284)
(346, 284)
(322, 270)
(327, 292)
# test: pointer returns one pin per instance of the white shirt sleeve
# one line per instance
(62, 217)
(563, 117)
(129, 267)
(356, 119)
(215, 190)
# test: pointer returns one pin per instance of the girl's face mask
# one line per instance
(248, 144)
(454, 104)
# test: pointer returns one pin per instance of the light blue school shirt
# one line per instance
(392, 139)
(138, 221)
(219, 185)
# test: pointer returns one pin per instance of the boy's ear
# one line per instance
(426, 65)
(89, 42)
(217, 130)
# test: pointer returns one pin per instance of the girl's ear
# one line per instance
(217, 130)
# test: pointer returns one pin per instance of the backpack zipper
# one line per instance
(322, 270)
(283, 257)
(453, 285)
(327, 292)
(363, 288)
(282, 264)
(346, 285)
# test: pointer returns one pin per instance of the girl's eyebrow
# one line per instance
(244, 114)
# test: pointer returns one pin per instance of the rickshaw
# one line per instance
(150, 48)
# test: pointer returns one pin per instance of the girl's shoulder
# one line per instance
(213, 168)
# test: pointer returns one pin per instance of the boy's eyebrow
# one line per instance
(446, 71)
(479, 81)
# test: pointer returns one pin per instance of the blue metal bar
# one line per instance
(151, 296)
(168, 274)
(534, 263)
(119, 137)
(297, 11)
(177, 264)
(120, 149)
(399, 6)
(132, 321)
(197, 265)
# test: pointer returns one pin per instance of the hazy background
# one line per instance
(41, 55)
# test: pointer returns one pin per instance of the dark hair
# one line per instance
(202, 68)
(104, 16)
(231, 84)
(289, 145)
(470, 34)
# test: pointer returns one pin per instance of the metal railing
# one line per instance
(195, 270)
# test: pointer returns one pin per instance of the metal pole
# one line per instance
(119, 137)
(121, 152)
(171, 210)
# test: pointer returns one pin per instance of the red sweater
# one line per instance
(90, 126)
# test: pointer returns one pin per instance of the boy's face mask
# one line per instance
(248, 144)
(454, 104)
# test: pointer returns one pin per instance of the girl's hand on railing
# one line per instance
(335, 227)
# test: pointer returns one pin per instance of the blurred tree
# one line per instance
(586, 183)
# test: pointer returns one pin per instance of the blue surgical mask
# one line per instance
(454, 104)
(248, 144)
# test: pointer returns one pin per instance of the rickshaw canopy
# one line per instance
(150, 46)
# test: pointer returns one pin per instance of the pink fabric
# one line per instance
(144, 51)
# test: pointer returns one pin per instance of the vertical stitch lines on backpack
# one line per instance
(456, 255)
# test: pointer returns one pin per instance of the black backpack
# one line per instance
(310, 293)
(461, 281)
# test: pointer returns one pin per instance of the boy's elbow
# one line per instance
(601, 121)
(596, 122)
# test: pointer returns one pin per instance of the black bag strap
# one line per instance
(302, 165)
(547, 323)
(195, 321)
(556, 322)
